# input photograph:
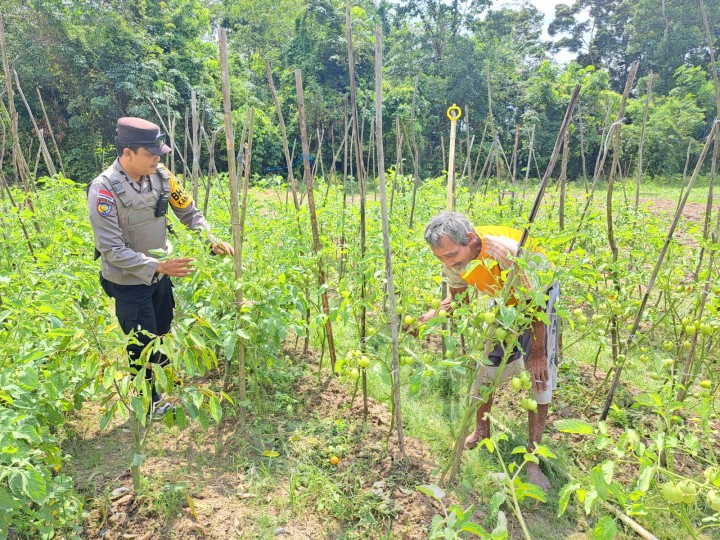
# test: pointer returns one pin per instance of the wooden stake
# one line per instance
(234, 197)
(642, 141)
(563, 178)
(360, 171)
(309, 181)
(195, 128)
(386, 239)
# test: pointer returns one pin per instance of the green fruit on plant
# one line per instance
(621, 358)
(706, 384)
(644, 358)
(408, 320)
(398, 309)
(706, 328)
(449, 354)
(578, 313)
(713, 500)
(435, 303)
(582, 327)
(672, 493)
(529, 404)
(354, 374)
(516, 383)
(363, 362)
(597, 318)
(688, 490)
(690, 329)
(668, 362)
(643, 350)
(686, 321)
(442, 313)
(668, 345)
(686, 345)
(489, 317)
(500, 333)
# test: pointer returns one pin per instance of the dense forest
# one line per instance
(82, 64)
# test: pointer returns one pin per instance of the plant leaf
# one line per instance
(574, 425)
(431, 490)
(605, 529)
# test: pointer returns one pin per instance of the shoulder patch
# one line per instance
(104, 207)
(179, 198)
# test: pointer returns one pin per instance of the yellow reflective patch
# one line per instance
(179, 198)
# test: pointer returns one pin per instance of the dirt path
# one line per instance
(218, 484)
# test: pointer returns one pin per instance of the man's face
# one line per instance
(453, 255)
(140, 163)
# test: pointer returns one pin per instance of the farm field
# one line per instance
(217, 475)
(310, 269)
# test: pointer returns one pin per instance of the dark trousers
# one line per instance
(143, 307)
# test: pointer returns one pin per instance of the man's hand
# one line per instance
(537, 365)
(176, 267)
(222, 248)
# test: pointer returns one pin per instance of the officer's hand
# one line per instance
(176, 267)
(222, 248)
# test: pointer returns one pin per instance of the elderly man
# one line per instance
(456, 243)
(128, 204)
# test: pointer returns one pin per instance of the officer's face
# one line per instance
(140, 163)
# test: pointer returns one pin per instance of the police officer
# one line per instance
(128, 203)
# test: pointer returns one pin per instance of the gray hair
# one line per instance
(451, 224)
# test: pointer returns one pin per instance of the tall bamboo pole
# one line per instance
(642, 141)
(309, 181)
(195, 129)
(416, 154)
(359, 162)
(386, 238)
(234, 197)
(563, 178)
(614, 319)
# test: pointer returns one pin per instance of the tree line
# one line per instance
(82, 64)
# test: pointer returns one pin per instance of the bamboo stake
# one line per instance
(195, 128)
(346, 149)
(50, 130)
(582, 147)
(212, 169)
(309, 181)
(634, 525)
(360, 171)
(563, 178)
(614, 319)
(398, 159)
(416, 154)
(234, 196)
(170, 133)
(642, 141)
(386, 238)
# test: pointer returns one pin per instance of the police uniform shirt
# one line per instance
(108, 233)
